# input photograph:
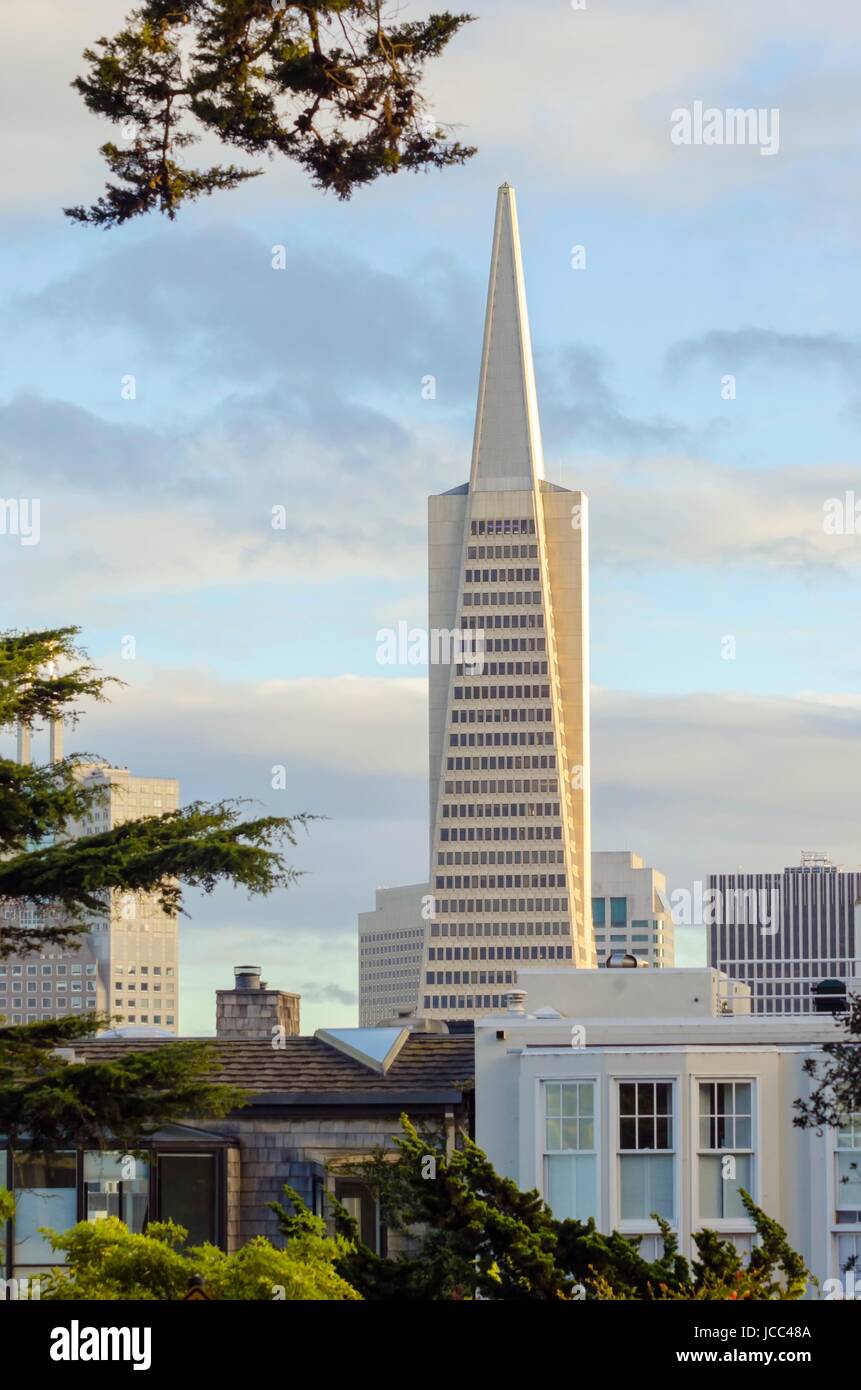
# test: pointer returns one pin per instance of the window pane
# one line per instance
(742, 1133)
(663, 1098)
(553, 1094)
(45, 1195)
(646, 1133)
(647, 1186)
(711, 1199)
(732, 1203)
(187, 1194)
(554, 1134)
(569, 1101)
(719, 1195)
(570, 1134)
(362, 1206)
(723, 1132)
(627, 1098)
(743, 1098)
(587, 1134)
(849, 1179)
(116, 1185)
(627, 1134)
(663, 1132)
(572, 1187)
(587, 1100)
(618, 912)
(598, 906)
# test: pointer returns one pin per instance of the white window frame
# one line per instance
(643, 1226)
(541, 1152)
(725, 1225)
(838, 1229)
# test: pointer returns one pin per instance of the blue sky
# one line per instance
(302, 388)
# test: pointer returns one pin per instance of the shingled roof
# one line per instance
(432, 1066)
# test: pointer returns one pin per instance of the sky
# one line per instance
(698, 377)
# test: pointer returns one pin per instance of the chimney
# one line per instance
(251, 1012)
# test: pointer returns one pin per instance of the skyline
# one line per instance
(155, 512)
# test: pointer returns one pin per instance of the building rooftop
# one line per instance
(309, 1066)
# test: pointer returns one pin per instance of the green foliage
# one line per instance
(7, 1208)
(105, 1262)
(44, 675)
(334, 85)
(479, 1235)
(48, 1100)
(838, 1089)
(199, 845)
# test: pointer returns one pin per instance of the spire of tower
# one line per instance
(506, 451)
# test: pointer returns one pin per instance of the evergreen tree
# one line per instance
(333, 84)
(49, 1100)
(480, 1236)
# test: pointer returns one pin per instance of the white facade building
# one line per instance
(624, 1093)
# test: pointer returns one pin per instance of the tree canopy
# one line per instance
(480, 1236)
(49, 1098)
(334, 85)
(104, 1261)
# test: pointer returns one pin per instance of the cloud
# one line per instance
(705, 783)
(579, 406)
(328, 994)
(677, 512)
(583, 97)
(731, 350)
(211, 302)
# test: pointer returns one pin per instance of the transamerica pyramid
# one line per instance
(509, 729)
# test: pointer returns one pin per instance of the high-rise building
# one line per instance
(127, 963)
(136, 941)
(391, 939)
(508, 709)
(786, 934)
(509, 712)
(630, 912)
(630, 909)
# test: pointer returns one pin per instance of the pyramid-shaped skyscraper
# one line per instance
(509, 723)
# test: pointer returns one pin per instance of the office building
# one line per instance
(630, 909)
(127, 963)
(785, 934)
(630, 912)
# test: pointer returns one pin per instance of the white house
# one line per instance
(623, 1092)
